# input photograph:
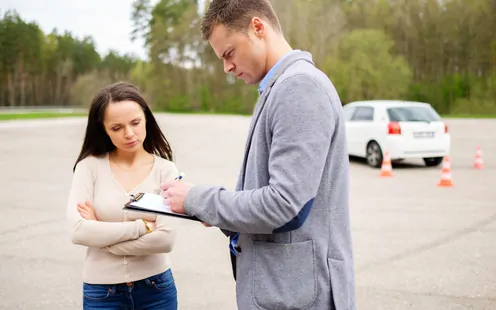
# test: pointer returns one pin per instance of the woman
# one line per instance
(124, 152)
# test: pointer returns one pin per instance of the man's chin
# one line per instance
(249, 82)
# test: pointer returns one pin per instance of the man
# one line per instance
(289, 215)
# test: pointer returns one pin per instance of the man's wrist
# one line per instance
(187, 201)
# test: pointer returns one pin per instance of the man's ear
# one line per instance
(258, 27)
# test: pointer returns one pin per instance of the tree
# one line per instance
(441, 52)
(366, 68)
(41, 69)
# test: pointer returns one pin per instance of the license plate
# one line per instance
(423, 134)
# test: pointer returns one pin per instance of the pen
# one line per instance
(180, 176)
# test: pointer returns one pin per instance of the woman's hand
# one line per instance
(86, 211)
(153, 225)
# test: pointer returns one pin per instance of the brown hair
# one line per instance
(237, 14)
(96, 141)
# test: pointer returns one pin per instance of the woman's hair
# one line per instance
(97, 142)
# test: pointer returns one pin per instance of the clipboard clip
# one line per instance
(137, 197)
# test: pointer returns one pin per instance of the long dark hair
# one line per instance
(97, 142)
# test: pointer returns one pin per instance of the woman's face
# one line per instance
(125, 124)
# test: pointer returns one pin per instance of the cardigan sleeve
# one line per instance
(161, 240)
(95, 233)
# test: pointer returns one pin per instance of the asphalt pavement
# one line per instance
(417, 246)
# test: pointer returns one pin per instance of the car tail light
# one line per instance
(394, 128)
(445, 128)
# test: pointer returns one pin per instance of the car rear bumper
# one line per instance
(400, 148)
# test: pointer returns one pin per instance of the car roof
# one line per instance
(387, 103)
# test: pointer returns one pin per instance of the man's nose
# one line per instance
(228, 66)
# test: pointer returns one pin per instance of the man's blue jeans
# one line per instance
(154, 293)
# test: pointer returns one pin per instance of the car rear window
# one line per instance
(412, 114)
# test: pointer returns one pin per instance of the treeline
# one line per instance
(441, 52)
(45, 69)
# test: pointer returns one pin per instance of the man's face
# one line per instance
(244, 54)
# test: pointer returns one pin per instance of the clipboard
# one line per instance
(153, 203)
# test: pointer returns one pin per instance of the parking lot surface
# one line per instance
(417, 245)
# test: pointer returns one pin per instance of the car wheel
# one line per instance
(374, 154)
(433, 161)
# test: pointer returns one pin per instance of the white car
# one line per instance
(403, 129)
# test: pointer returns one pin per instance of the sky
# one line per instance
(82, 18)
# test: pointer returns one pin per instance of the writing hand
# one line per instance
(174, 193)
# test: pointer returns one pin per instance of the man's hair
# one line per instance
(237, 14)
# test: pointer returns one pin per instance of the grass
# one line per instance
(469, 115)
(249, 114)
(40, 115)
(201, 112)
(37, 115)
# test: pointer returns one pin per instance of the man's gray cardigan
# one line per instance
(291, 205)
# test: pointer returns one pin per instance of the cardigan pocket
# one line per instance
(284, 275)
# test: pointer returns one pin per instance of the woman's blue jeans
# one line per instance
(154, 293)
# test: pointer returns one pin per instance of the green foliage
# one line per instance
(37, 115)
(441, 52)
(366, 69)
(51, 69)
(473, 107)
(86, 86)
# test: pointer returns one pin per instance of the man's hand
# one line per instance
(86, 211)
(174, 193)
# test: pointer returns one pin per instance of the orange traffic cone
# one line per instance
(446, 180)
(386, 168)
(478, 164)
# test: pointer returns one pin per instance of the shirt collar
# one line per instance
(268, 76)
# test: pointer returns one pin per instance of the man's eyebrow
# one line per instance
(227, 50)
